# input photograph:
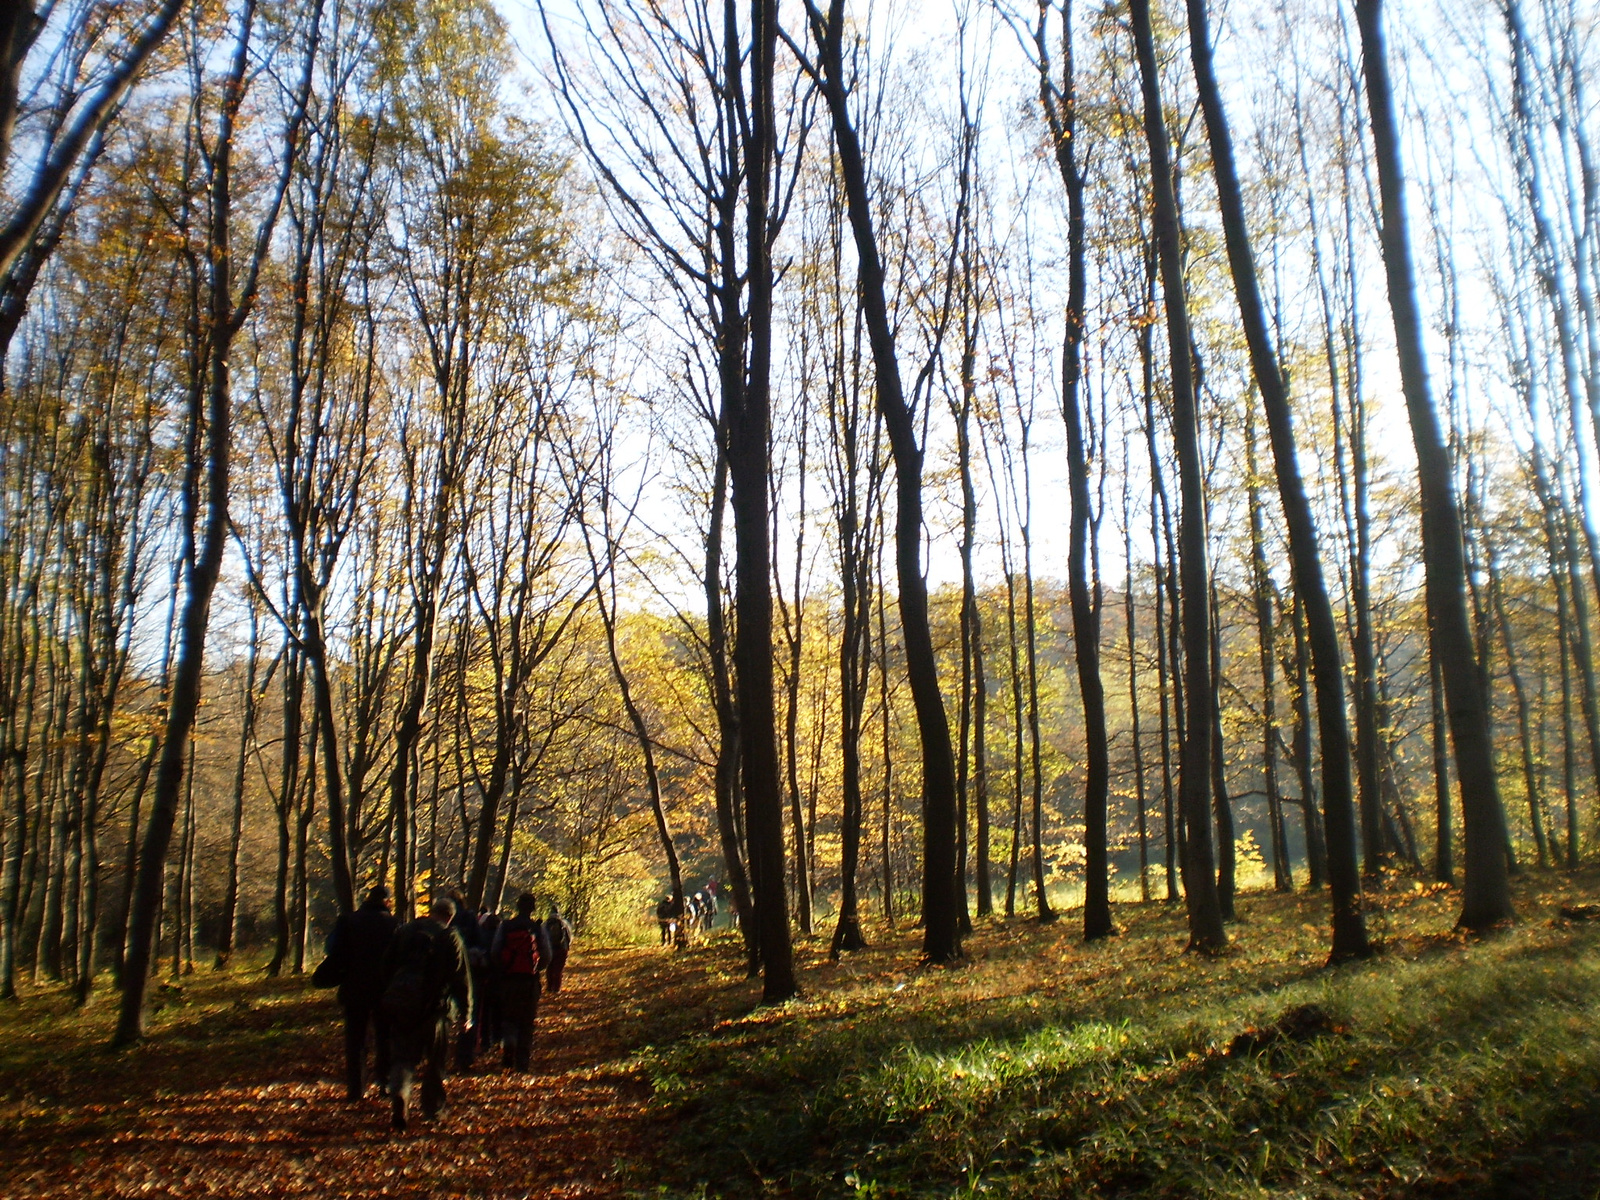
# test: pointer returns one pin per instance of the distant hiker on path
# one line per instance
(427, 990)
(519, 952)
(355, 949)
(559, 932)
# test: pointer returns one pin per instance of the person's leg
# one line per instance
(529, 1018)
(403, 1055)
(433, 1074)
(510, 1021)
(381, 1049)
(355, 1050)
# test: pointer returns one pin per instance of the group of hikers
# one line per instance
(452, 981)
(695, 913)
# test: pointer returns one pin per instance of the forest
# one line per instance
(979, 486)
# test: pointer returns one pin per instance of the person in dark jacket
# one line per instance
(466, 925)
(520, 950)
(487, 986)
(356, 948)
(558, 931)
(427, 991)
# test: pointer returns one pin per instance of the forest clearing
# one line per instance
(1450, 1065)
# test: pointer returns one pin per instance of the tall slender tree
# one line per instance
(1349, 928)
(1206, 933)
(231, 297)
(1486, 892)
(941, 940)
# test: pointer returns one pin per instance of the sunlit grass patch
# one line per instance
(1048, 1068)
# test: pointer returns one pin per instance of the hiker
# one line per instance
(664, 919)
(465, 923)
(427, 989)
(711, 904)
(519, 952)
(488, 985)
(558, 930)
(355, 949)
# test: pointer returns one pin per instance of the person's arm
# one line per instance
(339, 938)
(461, 977)
(541, 938)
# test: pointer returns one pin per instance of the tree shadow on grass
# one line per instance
(1557, 1160)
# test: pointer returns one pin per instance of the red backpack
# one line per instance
(519, 952)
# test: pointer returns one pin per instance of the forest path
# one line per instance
(239, 1093)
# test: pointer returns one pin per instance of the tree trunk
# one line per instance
(1035, 756)
(969, 775)
(749, 468)
(1130, 625)
(209, 426)
(1261, 589)
(1206, 933)
(1221, 805)
(1016, 736)
(1486, 898)
(726, 772)
(1349, 929)
(941, 941)
(1060, 103)
(888, 761)
(1532, 791)
(230, 898)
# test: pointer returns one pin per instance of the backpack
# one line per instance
(519, 953)
(560, 936)
(410, 997)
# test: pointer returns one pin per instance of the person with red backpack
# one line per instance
(520, 951)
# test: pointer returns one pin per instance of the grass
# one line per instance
(1048, 1068)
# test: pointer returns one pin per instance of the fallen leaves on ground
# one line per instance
(247, 1100)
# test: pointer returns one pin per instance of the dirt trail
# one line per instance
(204, 1110)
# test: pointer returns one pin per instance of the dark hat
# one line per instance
(380, 892)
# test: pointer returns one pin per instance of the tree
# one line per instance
(686, 210)
(481, 233)
(1486, 895)
(205, 490)
(941, 940)
(1349, 930)
(1060, 104)
(1205, 912)
(94, 64)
